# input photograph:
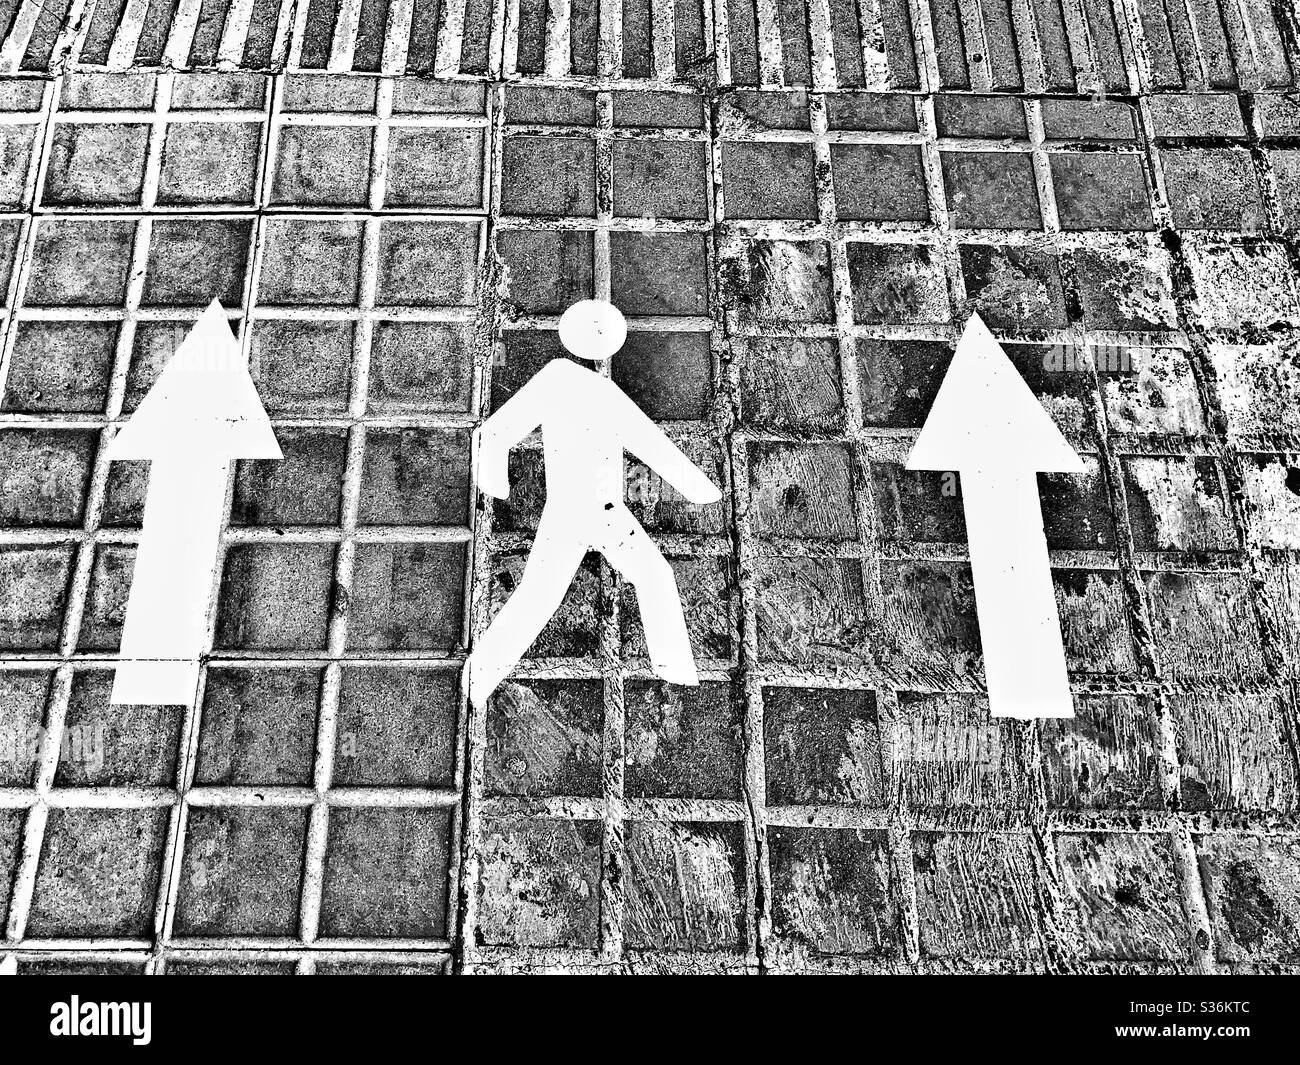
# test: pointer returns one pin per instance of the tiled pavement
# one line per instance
(795, 267)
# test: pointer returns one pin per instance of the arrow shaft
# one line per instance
(1020, 628)
(165, 630)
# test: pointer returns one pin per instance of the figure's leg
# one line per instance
(547, 575)
(631, 551)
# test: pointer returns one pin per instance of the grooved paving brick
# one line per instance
(395, 727)
(258, 726)
(98, 873)
(110, 745)
(241, 872)
(60, 367)
(420, 366)
(386, 873)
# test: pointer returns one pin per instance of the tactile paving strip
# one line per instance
(1089, 46)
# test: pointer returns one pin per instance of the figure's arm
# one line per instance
(518, 416)
(651, 445)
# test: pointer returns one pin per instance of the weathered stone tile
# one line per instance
(259, 727)
(1105, 757)
(304, 487)
(682, 743)
(980, 895)
(822, 746)
(275, 596)
(802, 490)
(832, 893)
(706, 587)
(540, 883)
(1205, 626)
(23, 695)
(1122, 891)
(810, 610)
(544, 737)
(1236, 750)
(685, 886)
(1252, 887)
(953, 753)
(105, 744)
(407, 596)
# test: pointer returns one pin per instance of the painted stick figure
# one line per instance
(587, 423)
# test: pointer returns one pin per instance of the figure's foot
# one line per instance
(683, 673)
(477, 683)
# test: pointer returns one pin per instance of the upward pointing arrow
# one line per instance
(987, 425)
(201, 415)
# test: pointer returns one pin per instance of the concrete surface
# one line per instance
(795, 265)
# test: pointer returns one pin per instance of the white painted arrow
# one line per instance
(987, 425)
(201, 415)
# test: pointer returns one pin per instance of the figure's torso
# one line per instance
(582, 445)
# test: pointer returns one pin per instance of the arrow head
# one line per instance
(986, 418)
(204, 403)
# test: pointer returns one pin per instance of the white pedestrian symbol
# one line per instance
(587, 423)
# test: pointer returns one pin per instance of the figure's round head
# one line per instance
(593, 329)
